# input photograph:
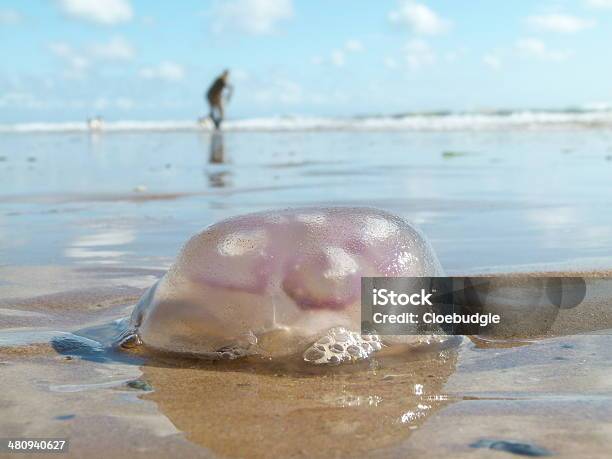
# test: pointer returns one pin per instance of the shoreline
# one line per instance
(426, 122)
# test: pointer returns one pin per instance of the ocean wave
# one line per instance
(528, 120)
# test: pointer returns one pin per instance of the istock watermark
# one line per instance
(494, 306)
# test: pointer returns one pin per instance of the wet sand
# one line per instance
(554, 393)
(78, 246)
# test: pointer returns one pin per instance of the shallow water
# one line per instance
(78, 246)
(508, 198)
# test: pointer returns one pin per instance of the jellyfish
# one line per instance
(279, 283)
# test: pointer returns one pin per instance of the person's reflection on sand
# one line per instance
(217, 148)
(217, 156)
(238, 409)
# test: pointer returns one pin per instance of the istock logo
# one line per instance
(492, 306)
(384, 297)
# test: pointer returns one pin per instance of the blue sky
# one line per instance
(141, 59)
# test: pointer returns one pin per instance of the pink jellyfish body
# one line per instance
(280, 283)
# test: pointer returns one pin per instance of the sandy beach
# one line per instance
(88, 222)
(436, 403)
(277, 229)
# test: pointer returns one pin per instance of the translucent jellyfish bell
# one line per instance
(278, 283)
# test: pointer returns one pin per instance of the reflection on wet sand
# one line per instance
(217, 148)
(218, 178)
(101, 246)
(237, 409)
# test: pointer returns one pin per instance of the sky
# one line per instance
(65, 60)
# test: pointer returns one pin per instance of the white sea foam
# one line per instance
(585, 119)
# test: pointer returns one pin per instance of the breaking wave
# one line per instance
(476, 121)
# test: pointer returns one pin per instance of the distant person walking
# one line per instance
(215, 97)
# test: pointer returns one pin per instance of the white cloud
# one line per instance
(562, 23)
(240, 75)
(9, 17)
(101, 103)
(337, 58)
(419, 17)
(532, 47)
(61, 49)
(116, 48)
(290, 92)
(598, 106)
(167, 71)
(455, 55)
(286, 92)
(256, 17)
(21, 100)
(121, 103)
(40, 101)
(124, 103)
(353, 46)
(603, 4)
(419, 54)
(76, 65)
(105, 12)
(493, 61)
